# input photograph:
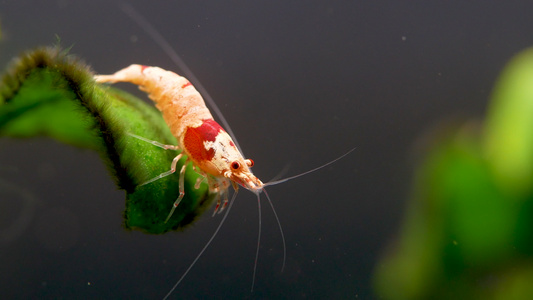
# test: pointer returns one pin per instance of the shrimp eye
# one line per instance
(235, 165)
(250, 163)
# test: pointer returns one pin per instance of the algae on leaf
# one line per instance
(47, 92)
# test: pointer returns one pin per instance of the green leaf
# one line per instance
(49, 93)
(509, 125)
(468, 230)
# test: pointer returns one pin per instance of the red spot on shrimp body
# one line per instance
(143, 67)
(195, 137)
(186, 85)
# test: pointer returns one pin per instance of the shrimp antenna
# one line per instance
(259, 237)
(173, 55)
(307, 172)
(280, 230)
(204, 248)
(258, 243)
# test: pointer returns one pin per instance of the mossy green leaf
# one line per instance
(49, 93)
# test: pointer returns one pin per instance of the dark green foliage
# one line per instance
(47, 92)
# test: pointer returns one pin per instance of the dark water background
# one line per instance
(300, 82)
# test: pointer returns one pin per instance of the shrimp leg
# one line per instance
(225, 196)
(155, 143)
(182, 190)
(169, 172)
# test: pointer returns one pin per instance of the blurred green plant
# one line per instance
(468, 229)
(47, 92)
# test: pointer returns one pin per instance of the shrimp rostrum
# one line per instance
(201, 139)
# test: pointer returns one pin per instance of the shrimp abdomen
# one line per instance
(176, 98)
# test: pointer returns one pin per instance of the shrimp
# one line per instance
(206, 144)
(211, 150)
